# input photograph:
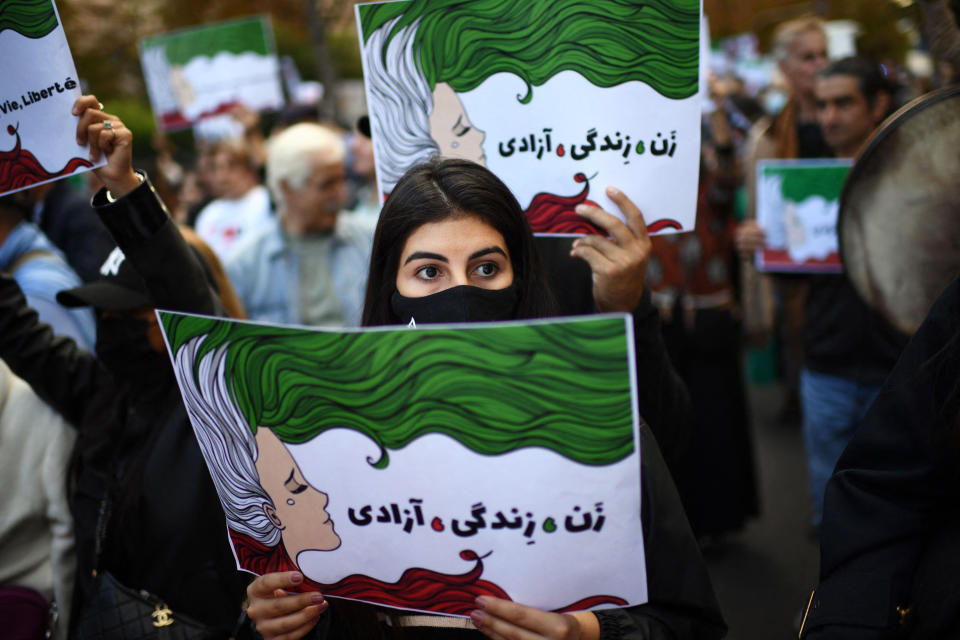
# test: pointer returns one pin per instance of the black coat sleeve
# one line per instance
(681, 603)
(663, 397)
(60, 372)
(148, 237)
(894, 487)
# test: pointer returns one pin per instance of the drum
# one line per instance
(899, 220)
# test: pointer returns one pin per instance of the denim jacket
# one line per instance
(266, 274)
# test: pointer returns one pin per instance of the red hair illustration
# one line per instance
(19, 168)
(550, 213)
(417, 588)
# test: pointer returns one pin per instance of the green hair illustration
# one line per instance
(29, 18)
(410, 47)
(608, 42)
(560, 386)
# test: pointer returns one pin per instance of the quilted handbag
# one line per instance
(116, 612)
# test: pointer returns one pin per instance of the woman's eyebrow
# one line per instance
(487, 251)
(417, 255)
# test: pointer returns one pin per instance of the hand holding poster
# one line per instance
(496, 459)
(204, 71)
(558, 98)
(38, 86)
(797, 206)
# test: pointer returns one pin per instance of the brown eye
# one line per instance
(428, 272)
(487, 269)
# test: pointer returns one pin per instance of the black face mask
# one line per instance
(124, 349)
(457, 304)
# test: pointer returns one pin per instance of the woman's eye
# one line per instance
(487, 269)
(428, 273)
(462, 131)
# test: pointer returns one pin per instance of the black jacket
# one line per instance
(844, 337)
(890, 546)
(167, 531)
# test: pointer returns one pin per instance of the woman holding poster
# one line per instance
(427, 266)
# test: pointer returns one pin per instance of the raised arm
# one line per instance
(138, 220)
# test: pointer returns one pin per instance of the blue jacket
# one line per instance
(266, 274)
(41, 276)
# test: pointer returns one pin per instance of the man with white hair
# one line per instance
(310, 266)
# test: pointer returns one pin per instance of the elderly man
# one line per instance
(309, 266)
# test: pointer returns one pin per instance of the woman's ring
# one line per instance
(107, 125)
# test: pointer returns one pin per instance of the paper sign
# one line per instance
(38, 86)
(797, 206)
(420, 468)
(558, 98)
(204, 71)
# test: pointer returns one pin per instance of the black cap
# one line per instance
(120, 288)
(363, 125)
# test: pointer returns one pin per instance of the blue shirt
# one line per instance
(266, 272)
(41, 276)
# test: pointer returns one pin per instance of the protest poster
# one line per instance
(418, 468)
(38, 86)
(559, 98)
(203, 71)
(797, 206)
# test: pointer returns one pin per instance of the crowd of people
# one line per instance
(111, 490)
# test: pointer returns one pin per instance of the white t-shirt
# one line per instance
(224, 221)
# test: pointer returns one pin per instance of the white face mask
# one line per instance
(773, 101)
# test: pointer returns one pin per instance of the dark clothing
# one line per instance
(166, 532)
(691, 276)
(810, 141)
(891, 527)
(67, 218)
(844, 337)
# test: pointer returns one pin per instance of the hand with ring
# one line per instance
(107, 136)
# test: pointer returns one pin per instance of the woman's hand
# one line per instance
(506, 620)
(618, 263)
(280, 615)
(113, 140)
(749, 237)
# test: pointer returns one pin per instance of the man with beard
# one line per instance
(309, 266)
(145, 509)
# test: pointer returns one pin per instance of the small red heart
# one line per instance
(436, 524)
(560, 150)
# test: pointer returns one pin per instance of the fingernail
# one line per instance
(296, 577)
(482, 601)
(612, 191)
(580, 208)
(476, 617)
(317, 598)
